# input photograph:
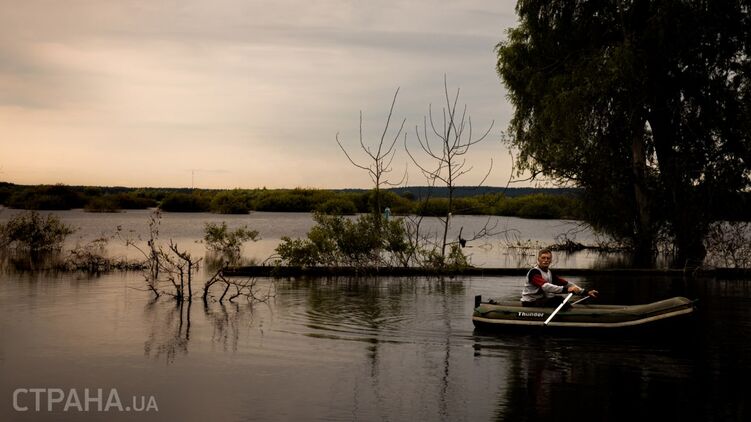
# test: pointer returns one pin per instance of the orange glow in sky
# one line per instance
(231, 93)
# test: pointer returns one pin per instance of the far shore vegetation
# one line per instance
(512, 202)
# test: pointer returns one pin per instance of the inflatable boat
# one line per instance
(511, 315)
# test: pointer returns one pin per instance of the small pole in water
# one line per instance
(558, 308)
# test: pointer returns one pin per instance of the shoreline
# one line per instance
(281, 272)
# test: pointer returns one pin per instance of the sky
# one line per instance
(241, 93)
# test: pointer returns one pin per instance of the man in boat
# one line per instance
(542, 286)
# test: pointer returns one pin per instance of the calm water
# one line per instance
(187, 229)
(383, 349)
(364, 349)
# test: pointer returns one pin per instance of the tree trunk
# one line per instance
(684, 211)
(448, 219)
(644, 236)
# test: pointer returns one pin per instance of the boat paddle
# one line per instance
(581, 300)
(558, 308)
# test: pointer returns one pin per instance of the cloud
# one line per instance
(260, 87)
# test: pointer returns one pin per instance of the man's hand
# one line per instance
(578, 290)
(574, 289)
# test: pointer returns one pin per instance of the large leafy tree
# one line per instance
(645, 104)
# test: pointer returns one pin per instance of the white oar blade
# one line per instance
(558, 308)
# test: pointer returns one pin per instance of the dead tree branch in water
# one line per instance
(446, 148)
(380, 160)
(236, 287)
(161, 265)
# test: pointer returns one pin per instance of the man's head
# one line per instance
(544, 258)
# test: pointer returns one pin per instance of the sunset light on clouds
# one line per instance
(229, 93)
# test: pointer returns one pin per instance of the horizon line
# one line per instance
(288, 188)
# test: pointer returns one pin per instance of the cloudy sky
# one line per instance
(238, 93)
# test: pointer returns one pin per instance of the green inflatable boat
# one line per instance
(511, 315)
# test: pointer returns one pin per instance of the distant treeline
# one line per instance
(421, 192)
(544, 203)
(550, 204)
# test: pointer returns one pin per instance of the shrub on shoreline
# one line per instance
(31, 232)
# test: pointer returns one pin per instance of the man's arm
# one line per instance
(572, 288)
(560, 281)
(540, 282)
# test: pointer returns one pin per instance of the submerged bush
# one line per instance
(454, 260)
(334, 240)
(298, 252)
(367, 240)
(32, 232)
(221, 240)
(92, 257)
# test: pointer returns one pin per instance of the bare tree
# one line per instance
(379, 160)
(180, 269)
(150, 254)
(236, 287)
(446, 145)
(162, 265)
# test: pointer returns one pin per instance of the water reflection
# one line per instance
(679, 374)
(373, 349)
(533, 376)
(170, 329)
(12, 261)
(170, 326)
(368, 309)
(554, 378)
(346, 307)
(226, 320)
(389, 315)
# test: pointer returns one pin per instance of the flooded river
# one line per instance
(512, 242)
(74, 347)
(359, 349)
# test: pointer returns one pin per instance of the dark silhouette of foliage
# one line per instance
(47, 197)
(477, 201)
(231, 202)
(183, 202)
(644, 104)
(133, 201)
(102, 204)
(338, 206)
(29, 231)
